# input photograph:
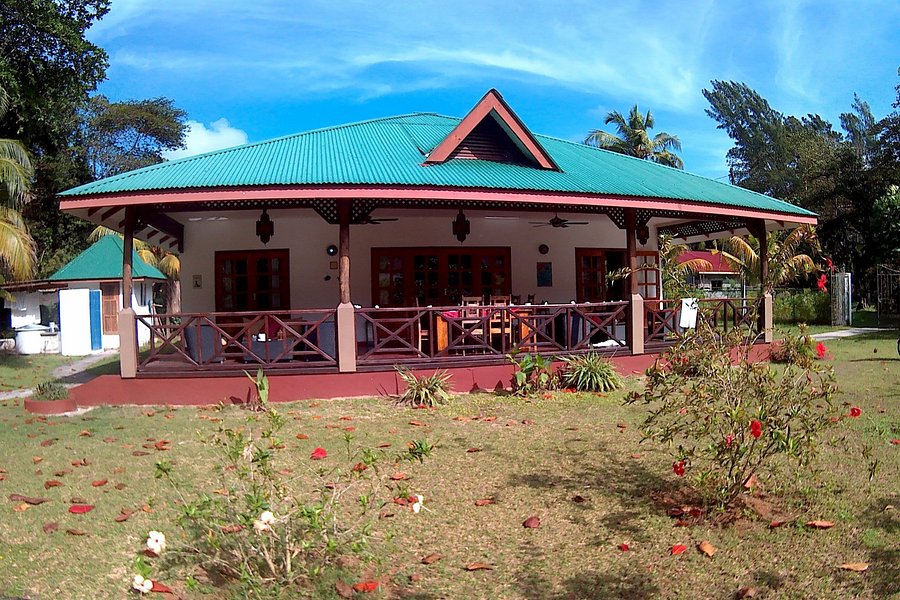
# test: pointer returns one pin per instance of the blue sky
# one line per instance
(248, 71)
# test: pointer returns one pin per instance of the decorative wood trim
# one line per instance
(493, 105)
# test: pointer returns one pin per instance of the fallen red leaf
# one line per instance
(139, 453)
(471, 450)
(489, 419)
(46, 443)
(532, 522)
(99, 483)
(479, 566)
(706, 548)
(123, 516)
(50, 527)
(399, 476)
(432, 558)
(578, 499)
(746, 592)
(160, 588)
(384, 445)
(820, 524)
(858, 567)
(624, 547)
(231, 528)
(73, 531)
(120, 486)
(52, 483)
(418, 424)
(86, 433)
(527, 422)
(344, 590)
(319, 454)
(62, 473)
(896, 442)
(80, 509)
(33, 500)
(484, 501)
(365, 586)
(678, 549)
(301, 436)
(345, 418)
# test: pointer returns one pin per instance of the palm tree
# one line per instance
(786, 263)
(634, 139)
(16, 246)
(168, 263)
(674, 273)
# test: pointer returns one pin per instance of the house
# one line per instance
(471, 238)
(83, 299)
(720, 280)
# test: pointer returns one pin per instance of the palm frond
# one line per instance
(16, 245)
(170, 265)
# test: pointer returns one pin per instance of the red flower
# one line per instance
(319, 454)
(623, 547)
(728, 439)
(822, 282)
(678, 468)
(855, 411)
(829, 264)
(821, 350)
(755, 428)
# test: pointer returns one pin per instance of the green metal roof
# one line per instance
(390, 151)
(103, 261)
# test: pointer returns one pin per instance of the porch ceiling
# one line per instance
(161, 221)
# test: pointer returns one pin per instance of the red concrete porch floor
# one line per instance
(196, 391)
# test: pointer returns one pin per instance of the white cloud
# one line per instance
(199, 139)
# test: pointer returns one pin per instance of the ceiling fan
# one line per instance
(556, 221)
(370, 220)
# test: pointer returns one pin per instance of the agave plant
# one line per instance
(428, 390)
(590, 373)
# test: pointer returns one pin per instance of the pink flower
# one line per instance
(678, 468)
(319, 454)
(728, 439)
(821, 350)
(822, 282)
(829, 264)
(755, 428)
(855, 411)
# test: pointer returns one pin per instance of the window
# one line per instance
(648, 276)
(252, 280)
(109, 307)
(438, 276)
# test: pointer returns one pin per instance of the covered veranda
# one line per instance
(471, 239)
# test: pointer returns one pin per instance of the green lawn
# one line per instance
(20, 371)
(568, 446)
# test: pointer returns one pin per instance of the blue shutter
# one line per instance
(96, 333)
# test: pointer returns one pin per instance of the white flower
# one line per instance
(248, 452)
(156, 542)
(260, 526)
(417, 505)
(142, 585)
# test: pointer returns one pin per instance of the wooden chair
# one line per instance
(423, 331)
(472, 313)
(500, 321)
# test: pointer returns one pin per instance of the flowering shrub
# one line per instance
(795, 349)
(259, 528)
(724, 418)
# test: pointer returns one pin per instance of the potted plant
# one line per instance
(50, 398)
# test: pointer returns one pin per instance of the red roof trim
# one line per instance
(493, 105)
(272, 194)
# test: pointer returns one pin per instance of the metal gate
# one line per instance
(888, 291)
(841, 302)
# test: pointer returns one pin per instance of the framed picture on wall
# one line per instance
(545, 274)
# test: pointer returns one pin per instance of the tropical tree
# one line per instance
(675, 272)
(786, 262)
(167, 262)
(634, 138)
(16, 246)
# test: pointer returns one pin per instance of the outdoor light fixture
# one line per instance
(461, 227)
(331, 250)
(643, 234)
(265, 227)
(543, 248)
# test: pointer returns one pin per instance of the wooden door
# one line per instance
(592, 267)
(252, 280)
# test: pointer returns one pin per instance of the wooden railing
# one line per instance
(432, 334)
(238, 340)
(662, 316)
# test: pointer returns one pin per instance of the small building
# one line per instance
(720, 280)
(82, 300)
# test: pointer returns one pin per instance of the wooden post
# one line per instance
(128, 350)
(345, 317)
(634, 330)
(765, 323)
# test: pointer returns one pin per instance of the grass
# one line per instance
(23, 371)
(569, 445)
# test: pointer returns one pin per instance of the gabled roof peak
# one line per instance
(492, 129)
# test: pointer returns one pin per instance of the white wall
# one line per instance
(25, 308)
(75, 322)
(307, 236)
(141, 299)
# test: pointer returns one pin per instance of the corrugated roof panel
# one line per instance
(103, 261)
(391, 151)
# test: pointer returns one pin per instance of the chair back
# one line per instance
(500, 300)
(531, 298)
(470, 308)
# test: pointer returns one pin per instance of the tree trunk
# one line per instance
(173, 295)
